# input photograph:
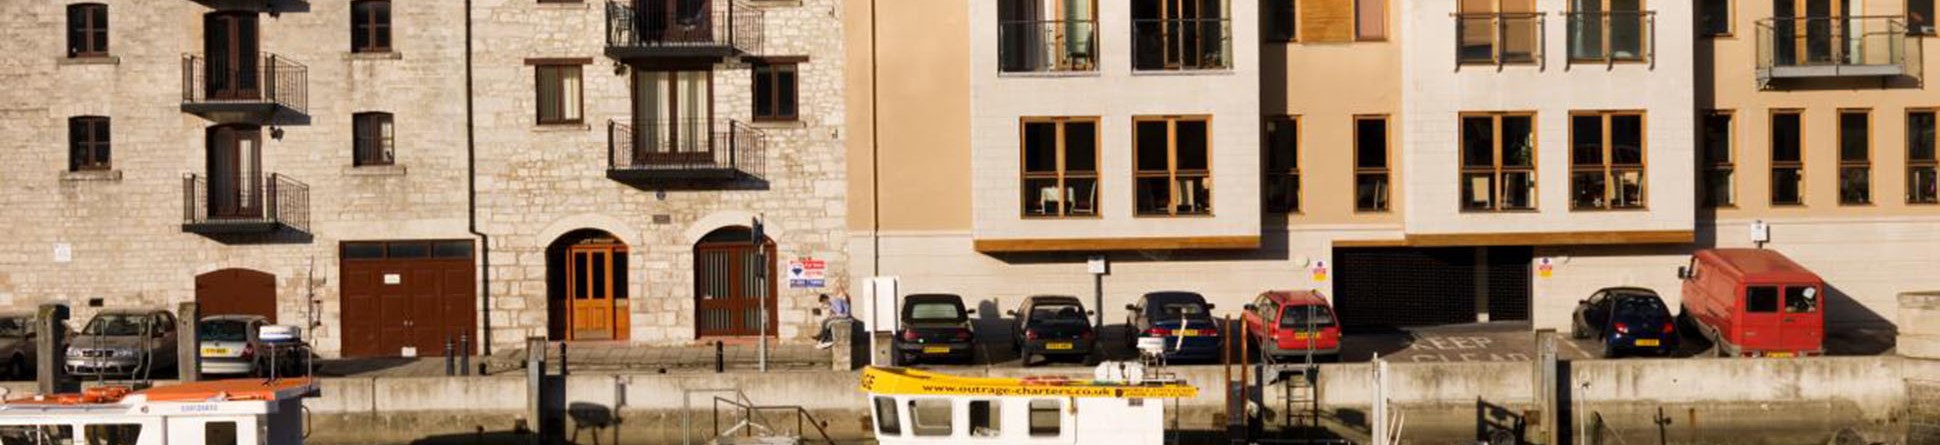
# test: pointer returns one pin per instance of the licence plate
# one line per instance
(936, 349)
(215, 351)
(1778, 354)
(1058, 346)
(1188, 332)
(1647, 342)
(1301, 335)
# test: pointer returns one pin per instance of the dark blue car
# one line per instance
(1183, 319)
(1628, 320)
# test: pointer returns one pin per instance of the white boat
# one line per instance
(914, 407)
(221, 412)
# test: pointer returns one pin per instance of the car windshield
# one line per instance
(935, 311)
(223, 330)
(114, 325)
(1299, 317)
(1057, 312)
(15, 327)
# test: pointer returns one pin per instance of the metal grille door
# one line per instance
(1404, 287)
(728, 292)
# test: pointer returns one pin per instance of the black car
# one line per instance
(1051, 325)
(1627, 320)
(1183, 319)
(935, 326)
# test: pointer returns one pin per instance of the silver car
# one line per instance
(125, 342)
(228, 343)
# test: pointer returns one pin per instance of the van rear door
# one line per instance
(1802, 322)
(1761, 328)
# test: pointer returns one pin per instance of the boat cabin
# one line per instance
(224, 412)
(913, 407)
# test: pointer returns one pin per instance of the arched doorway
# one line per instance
(587, 287)
(733, 279)
(236, 292)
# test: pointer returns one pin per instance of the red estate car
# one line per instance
(1290, 324)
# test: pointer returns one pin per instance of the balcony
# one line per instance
(693, 152)
(1499, 39)
(1048, 46)
(1182, 44)
(1612, 37)
(715, 29)
(1834, 47)
(244, 205)
(259, 90)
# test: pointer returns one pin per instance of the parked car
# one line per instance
(232, 345)
(127, 342)
(1183, 319)
(1626, 320)
(1290, 325)
(934, 326)
(1754, 303)
(1052, 325)
(17, 345)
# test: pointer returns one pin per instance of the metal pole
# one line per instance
(465, 354)
(1098, 301)
(450, 360)
(720, 361)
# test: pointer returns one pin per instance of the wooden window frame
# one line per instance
(774, 67)
(1497, 49)
(1299, 137)
(93, 36)
(381, 150)
(1706, 166)
(1387, 12)
(1270, 35)
(539, 87)
(1646, 32)
(369, 26)
(1172, 171)
(1771, 152)
(1386, 171)
(1496, 170)
(1609, 167)
(94, 155)
(1061, 174)
(1848, 164)
(1914, 165)
(1931, 27)
(1730, 19)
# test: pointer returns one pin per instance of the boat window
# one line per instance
(1761, 299)
(929, 417)
(1801, 300)
(986, 419)
(886, 421)
(1045, 418)
(113, 434)
(37, 435)
(219, 433)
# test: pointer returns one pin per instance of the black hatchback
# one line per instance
(934, 326)
(1052, 326)
(1627, 321)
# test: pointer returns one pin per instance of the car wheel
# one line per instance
(1608, 352)
(1024, 359)
(1578, 331)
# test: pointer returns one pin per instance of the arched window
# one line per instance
(87, 142)
(87, 30)
(370, 26)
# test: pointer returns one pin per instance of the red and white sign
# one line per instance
(807, 273)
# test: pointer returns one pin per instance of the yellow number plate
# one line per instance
(936, 349)
(1647, 342)
(1300, 336)
(215, 351)
(1778, 354)
(1187, 332)
(1057, 346)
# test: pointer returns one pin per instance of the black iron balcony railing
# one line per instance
(716, 28)
(236, 204)
(1182, 44)
(1822, 47)
(684, 150)
(227, 85)
(1612, 36)
(1499, 38)
(1047, 46)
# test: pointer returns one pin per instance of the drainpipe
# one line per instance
(875, 155)
(471, 198)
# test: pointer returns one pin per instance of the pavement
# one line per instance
(735, 355)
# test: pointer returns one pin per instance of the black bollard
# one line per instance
(465, 354)
(562, 360)
(449, 371)
(720, 362)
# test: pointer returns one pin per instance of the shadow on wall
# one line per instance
(1851, 328)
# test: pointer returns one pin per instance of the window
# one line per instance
(1607, 160)
(1172, 173)
(87, 30)
(1788, 161)
(39, 434)
(986, 418)
(1855, 157)
(1499, 161)
(1608, 30)
(374, 139)
(1281, 20)
(1801, 299)
(1714, 17)
(1498, 32)
(1370, 20)
(774, 91)
(88, 144)
(219, 433)
(112, 433)
(1282, 181)
(370, 26)
(559, 94)
(1919, 16)
(1181, 35)
(1060, 167)
(1045, 418)
(1047, 35)
(1716, 160)
(1761, 299)
(1920, 161)
(887, 423)
(1371, 164)
(929, 417)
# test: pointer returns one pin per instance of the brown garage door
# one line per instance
(236, 292)
(406, 294)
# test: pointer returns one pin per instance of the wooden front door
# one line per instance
(689, 21)
(235, 172)
(596, 290)
(236, 292)
(407, 295)
(728, 291)
(1807, 32)
(229, 44)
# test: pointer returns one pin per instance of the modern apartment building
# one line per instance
(393, 175)
(1421, 162)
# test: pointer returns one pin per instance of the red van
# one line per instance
(1755, 303)
(1288, 324)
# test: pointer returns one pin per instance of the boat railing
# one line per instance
(747, 417)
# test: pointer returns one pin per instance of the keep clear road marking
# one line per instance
(1561, 338)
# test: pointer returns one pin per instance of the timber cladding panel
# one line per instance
(1325, 21)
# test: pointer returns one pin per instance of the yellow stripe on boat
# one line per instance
(905, 381)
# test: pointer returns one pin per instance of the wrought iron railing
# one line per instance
(1499, 38)
(1835, 46)
(1612, 36)
(686, 145)
(704, 23)
(1182, 44)
(269, 78)
(245, 200)
(1047, 45)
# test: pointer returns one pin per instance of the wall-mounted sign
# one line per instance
(63, 252)
(1319, 271)
(1544, 269)
(807, 273)
(393, 279)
